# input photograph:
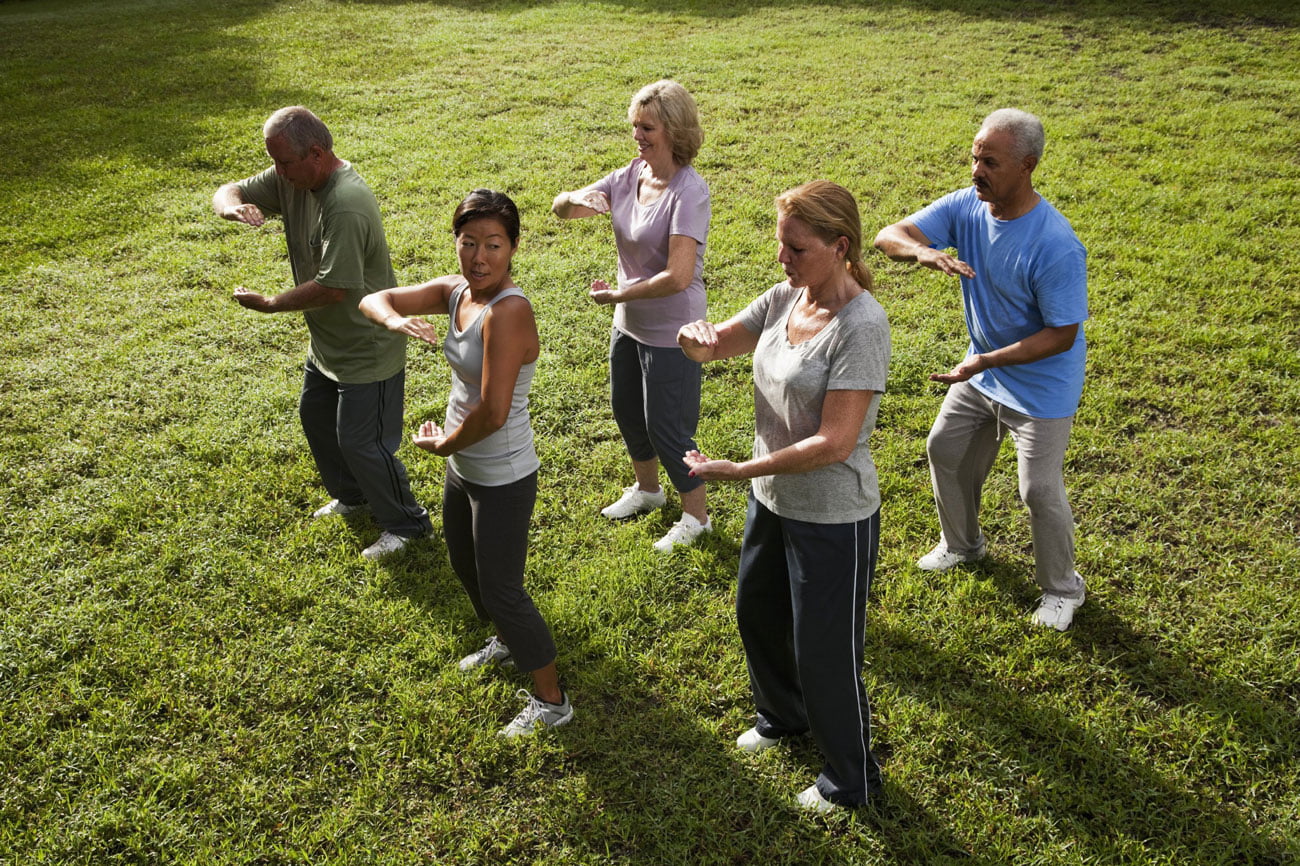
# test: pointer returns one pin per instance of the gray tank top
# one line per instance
(508, 454)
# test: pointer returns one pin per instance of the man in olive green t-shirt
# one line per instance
(351, 404)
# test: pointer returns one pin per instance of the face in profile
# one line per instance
(651, 139)
(485, 250)
(996, 173)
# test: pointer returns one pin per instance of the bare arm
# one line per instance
(843, 413)
(704, 341)
(1035, 347)
(396, 309)
(509, 342)
(228, 203)
(310, 295)
(674, 278)
(904, 242)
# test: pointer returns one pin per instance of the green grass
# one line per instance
(192, 672)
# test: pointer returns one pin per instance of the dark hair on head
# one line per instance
(487, 203)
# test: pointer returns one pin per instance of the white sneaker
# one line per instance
(537, 713)
(387, 543)
(940, 558)
(754, 742)
(336, 507)
(684, 531)
(812, 800)
(634, 501)
(492, 651)
(1057, 611)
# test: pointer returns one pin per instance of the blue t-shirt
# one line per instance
(1030, 273)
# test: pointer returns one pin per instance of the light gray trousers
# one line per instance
(962, 445)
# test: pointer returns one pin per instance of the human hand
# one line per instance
(968, 367)
(420, 329)
(601, 293)
(710, 470)
(698, 339)
(941, 261)
(429, 437)
(247, 213)
(251, 300)
(594, 200)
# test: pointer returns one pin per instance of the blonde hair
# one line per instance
(832, 213)
(675, 109)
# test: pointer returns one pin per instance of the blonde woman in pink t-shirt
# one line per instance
(659, 207)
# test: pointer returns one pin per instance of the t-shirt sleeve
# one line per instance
(344, 237)
(859, 360)
(691, 213)
(754, 317)
(609, 184)
(262, 190)
(935, 221)
(1061, 287)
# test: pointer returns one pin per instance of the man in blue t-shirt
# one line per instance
(1024, 291)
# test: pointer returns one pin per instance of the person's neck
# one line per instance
(1017, 207)
(832, 295)
(330, 166)
(662, 170)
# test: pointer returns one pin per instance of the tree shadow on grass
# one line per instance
(1210, 13)
(1091, 802)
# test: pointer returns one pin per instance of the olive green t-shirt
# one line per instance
(336, 237)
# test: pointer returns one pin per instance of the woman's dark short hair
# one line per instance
(487, 203)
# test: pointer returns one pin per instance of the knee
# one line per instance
(1042, 494)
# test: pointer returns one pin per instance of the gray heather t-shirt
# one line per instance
(851, 353)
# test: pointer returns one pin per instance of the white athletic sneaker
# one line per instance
(336, 507)
(1057, 611)
(754, 742)
(492, 651)
(684, 531)
(387, 543)
(812, 800)
(940, 558)
(537, 713)
(634, 501)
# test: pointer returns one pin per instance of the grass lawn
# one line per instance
(192, 671)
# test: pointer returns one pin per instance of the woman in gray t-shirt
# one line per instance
(821, 355)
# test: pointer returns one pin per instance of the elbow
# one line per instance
(495, 418)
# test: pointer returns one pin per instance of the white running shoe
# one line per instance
(1057, 611)
(634, 501)
(492, 651)
(754, 742)
(387, 543)
(536, 714)
(684, 531)
(812, 800)
(940, 558)
(336, 507)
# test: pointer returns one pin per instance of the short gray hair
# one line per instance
(300, 128)
(1025, 129)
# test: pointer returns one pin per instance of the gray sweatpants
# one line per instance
(962, 446)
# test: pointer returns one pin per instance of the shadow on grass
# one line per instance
(666, 789)
(1090, 801)
(1214, 13)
